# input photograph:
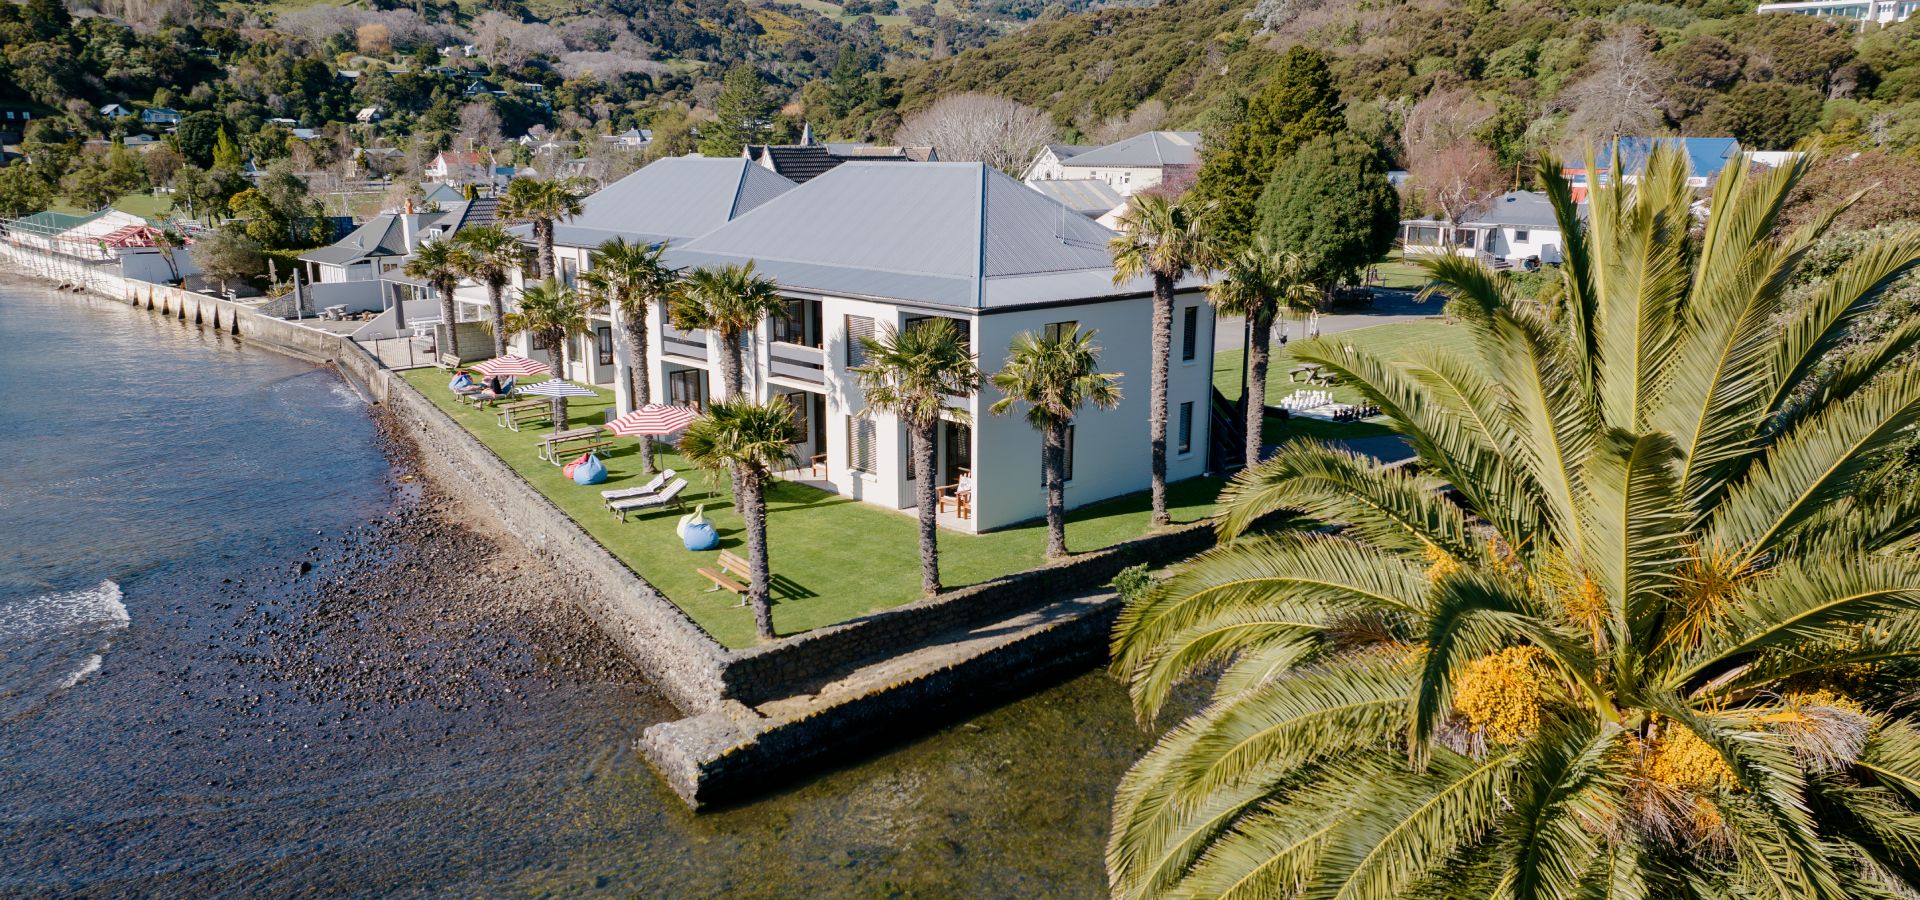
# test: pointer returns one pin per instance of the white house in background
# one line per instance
(1862, 12)
(869, 246)
(1047, 164)
(1139, 162)
(459, 167)
(671, 200)
(367, 115)
(1517, 228)
(379, 248)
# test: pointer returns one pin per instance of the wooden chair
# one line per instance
(959, 495)
(732, 573)
(818, 466)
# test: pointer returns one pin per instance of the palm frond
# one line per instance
(1388, 507)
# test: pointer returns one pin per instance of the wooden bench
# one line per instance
(733, 574)
(560, 444)
(514, 415)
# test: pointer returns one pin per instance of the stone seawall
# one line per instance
(762, 714)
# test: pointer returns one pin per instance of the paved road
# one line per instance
(1389, 308)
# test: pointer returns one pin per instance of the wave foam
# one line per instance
(95, 609)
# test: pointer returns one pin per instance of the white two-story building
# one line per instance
(870, 246)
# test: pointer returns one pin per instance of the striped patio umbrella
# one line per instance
(513, 365)
(653, 418)
(555, 387)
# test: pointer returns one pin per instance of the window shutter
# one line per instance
(860, 440)
(859, 328)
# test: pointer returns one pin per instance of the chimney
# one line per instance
(406, 228)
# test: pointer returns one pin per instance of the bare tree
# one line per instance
(479, 124)
(1444, 118)
(1621, 93)
(1148, 116)
(979, 128)
(1455, 178)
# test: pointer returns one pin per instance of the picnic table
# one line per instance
(560, 444)
(1312, 371)
(514, 415)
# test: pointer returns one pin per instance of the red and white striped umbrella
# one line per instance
(512, 365)
(653, 418)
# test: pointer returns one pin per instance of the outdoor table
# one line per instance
(581, 439)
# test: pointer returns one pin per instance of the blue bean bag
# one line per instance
(700, 536)
(592, 471)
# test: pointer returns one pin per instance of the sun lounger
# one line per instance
(670, 496)
(641, 491)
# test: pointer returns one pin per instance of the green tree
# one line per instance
(745, 113)
(197, 135)
(730, 301)
(1297, 104)
(1331, 203)
(1166, 240)
(23, 191)
(227, 254)
(1638, 624)
(489, 255)
(542, 203)
(636, 280)
(1054, 377)
(910, 374)
(748, 441)
(551, 314)
(1257, 284)
(438, 263)
(1766, 115)
(226, 153)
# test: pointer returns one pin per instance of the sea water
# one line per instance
(158, 480)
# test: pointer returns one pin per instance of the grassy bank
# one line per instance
(833, 558)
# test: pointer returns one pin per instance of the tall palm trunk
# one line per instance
(1257, 350)
(497, 296)
(929, 498)
(558, 341)
(748, 484)
(730, 364)
(446, 318)
(1053, 453)
(543, 240)
(639, 379)
(1157, 403)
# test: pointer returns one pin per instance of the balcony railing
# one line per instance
(684, 344)
(797, 362)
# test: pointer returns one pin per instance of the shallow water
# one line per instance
(183, 713)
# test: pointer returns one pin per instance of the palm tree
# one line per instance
(911, 374)
(437, 263)
(1169, 240)
(749, 441)
(488, 255)
(1054, 377)
(635, 278)
(552, 314)
(730, 301)
(1257, 284)
(542, 203)
(1642, 623)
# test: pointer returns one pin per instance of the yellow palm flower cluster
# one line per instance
(1679, 758)
(1502, 693)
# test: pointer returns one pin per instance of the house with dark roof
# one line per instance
(868, 247)
(1517, 228)
(1139, 162)
(381, 245)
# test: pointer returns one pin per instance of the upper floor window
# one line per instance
(1190, 333)
(1057, 330)
(859, 328)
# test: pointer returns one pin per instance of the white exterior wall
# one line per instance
(1045, 167)
(1111, 453)
(1128, 180)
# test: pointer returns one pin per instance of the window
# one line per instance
(604, 335)
(1059, 330)
(860, 441)
(540, 340)
(1186, 427)
(1519, 235)
(569, 271)
(859, 328)
(1190, 336)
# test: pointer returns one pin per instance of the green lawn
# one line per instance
(833, 558)
(144, 205)
(1395, 341)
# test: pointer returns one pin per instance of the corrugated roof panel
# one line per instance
(1028, 233)
(1153, 148)
(679, 198)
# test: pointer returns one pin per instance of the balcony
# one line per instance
(797, 363)
(687, 345)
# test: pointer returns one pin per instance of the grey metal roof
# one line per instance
(1069, 151)
(1154, 148)
(378, 236)
(1090, 197)
(953, 234)
(1513, 209)
(672, 199)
